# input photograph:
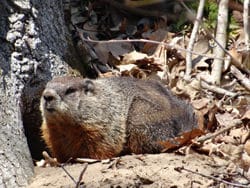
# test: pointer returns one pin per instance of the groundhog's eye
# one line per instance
(70, 90)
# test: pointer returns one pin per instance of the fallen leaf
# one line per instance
(200, 103)
(246, 115)
(132, 57)
(247, 147)
(159, 35)
(224, 119)
(181, 140)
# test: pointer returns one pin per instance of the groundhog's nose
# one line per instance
(48, 96)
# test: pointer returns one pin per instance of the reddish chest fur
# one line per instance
(67, 142)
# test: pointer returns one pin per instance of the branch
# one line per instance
(87, 39)
(241, 77)
(217, 89)
(81, 175)
(71, 177)
(77, 183)
(204, 138)
(193, 37)
(221, 36)
(212, 177)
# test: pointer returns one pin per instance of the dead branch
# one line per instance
(81, 175)
(217, 89)
(212, 177)
(71, 177)
(193, 37)
(87, 160)
(204, 138)
(245, 82)
(77, 183)
(144, 40)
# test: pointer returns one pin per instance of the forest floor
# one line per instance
(154, 170)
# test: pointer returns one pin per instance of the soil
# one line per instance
(154, 170)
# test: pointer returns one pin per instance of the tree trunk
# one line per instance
(33, 44)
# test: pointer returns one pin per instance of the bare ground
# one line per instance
(159, 170)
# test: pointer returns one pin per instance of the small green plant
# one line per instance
(210, 14)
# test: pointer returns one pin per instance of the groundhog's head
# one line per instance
(60, 99)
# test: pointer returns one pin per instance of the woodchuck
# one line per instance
(109, 117)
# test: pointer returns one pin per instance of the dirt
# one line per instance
(158, 170)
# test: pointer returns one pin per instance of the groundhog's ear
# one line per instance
(88, 86)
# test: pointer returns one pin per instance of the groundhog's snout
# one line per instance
(49, 97)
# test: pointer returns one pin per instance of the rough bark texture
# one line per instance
(33, 43)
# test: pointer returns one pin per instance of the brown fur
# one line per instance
(106, 117)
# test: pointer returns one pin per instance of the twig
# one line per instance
(212, 177)
(81, 175)
(242, 78)
(71, 177)
(217, 89)
(143, 40)
(87, 160)
(202, 139)
(193, 37)
(221, 37)
(114, 163)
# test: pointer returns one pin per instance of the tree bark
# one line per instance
(33, 44)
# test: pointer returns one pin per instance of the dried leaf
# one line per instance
(116, 49)
(233, 152)
(132, 57)
(127, 67)
(245, 162)
(247, 147)
(181, 140)
(184, 89)
(246, 116)
(224, 119)
(159, 35)
(200, 103)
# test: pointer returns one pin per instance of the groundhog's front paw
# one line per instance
(47, 161)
